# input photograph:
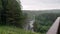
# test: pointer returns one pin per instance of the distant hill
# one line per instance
(42, 11)
(37, 12)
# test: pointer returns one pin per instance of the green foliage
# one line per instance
(0, 9)
(14, 14)
(44, 21)
(0, 5)
(10, 13)
(14, 30)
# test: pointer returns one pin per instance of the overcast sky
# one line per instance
(40, 4)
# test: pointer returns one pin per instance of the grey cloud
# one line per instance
(49, 1)
(40, 4)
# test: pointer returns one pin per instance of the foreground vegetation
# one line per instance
(13, 30)
(10, 13)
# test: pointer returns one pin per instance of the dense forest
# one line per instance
(43, 19)
(13, 19)
(11, 13)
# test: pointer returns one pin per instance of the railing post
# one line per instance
(58, 31)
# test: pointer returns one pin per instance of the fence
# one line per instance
(55, 28)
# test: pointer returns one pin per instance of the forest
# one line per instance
(13, 19)
(43, 19)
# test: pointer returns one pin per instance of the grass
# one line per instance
(13, 30)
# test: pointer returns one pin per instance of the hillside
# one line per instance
(13, 30)
(31, 13)
(36, 12)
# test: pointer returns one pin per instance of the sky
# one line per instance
(40, 4)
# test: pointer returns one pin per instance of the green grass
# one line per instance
(13, 30)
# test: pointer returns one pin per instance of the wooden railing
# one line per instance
(55, 28)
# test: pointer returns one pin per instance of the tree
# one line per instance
(11, 13)
(44, 21)
(3, 11)
(0, 10)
